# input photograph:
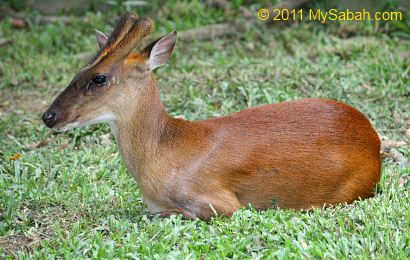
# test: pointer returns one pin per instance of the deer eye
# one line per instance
(100, 80)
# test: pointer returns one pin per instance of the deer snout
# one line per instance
(49, 118)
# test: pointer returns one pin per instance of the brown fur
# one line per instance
(125, 36)
(123, 26)
(299, 154)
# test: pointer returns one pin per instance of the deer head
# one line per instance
(115, 80)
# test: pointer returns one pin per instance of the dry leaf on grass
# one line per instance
(15, 157)
(39, 144)
(18, 23)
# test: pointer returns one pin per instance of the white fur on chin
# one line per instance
(108, 117)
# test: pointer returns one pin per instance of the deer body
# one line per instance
(300, 154)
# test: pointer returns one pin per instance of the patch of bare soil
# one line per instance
(27, 103)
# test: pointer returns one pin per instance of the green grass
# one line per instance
(74, 198)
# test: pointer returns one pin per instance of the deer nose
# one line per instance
(49, 118)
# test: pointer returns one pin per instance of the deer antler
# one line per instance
(126, 35)
(139, 30)
(122, 27)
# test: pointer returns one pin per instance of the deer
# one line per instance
(297, 155)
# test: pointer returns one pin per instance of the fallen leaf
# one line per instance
(15, 157)
(18, 23)
(39, 144)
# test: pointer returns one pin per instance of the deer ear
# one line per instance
(161, 50)
(101, 38)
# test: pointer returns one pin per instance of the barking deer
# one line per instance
(300, 154)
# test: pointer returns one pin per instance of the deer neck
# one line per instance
(138, 130)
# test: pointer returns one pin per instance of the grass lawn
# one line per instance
(73, 197)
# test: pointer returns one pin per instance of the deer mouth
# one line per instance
(65, 127)
(78, 122)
